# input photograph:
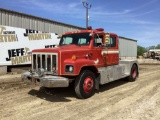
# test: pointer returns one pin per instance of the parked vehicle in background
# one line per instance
(152, 53)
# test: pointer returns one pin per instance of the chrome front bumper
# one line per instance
(46, 80)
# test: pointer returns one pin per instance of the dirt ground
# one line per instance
(119, 100)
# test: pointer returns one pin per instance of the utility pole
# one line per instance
(87, 6)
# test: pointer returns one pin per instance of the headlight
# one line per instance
(69, 68)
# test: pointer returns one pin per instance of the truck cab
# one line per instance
(86, 58)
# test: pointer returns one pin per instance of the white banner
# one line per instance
(15, 43)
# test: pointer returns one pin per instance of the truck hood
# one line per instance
(62, 48)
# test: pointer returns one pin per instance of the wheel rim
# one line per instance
(88, 84)
(134, 73)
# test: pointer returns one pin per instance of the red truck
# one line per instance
(87, 58)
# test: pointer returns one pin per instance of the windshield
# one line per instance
(77, 39)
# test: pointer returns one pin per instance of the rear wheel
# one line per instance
(153, 55)
(85, 84)
(133, 73)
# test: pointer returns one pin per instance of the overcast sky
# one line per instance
(136, 19)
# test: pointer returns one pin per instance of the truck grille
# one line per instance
(47, 61)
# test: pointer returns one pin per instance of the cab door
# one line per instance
(111, 52)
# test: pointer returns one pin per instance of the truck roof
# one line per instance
(88, 31)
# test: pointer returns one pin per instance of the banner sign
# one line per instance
(15, 43)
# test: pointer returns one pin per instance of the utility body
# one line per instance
(87, 58)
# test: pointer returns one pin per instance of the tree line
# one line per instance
(141, 50)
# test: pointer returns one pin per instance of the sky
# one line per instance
(135, 19)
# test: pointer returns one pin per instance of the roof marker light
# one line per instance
(100, 29)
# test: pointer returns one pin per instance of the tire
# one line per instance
(85, 84)
(133, 73)
(153, 55)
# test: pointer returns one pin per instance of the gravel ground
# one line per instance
(119, 100)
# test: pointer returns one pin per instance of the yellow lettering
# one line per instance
(42, 36)
(26, 50)
(5, 38)
(13, 38)
(39, 36)
(35, 37)
(31, 36)
(14, 60)
(20, 59)
(48, 36)
(8, 38)
(29, 57)
(25, 58)
(1, 38)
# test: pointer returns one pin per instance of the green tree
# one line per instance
(158, 46)
(141, 50)
(150, 47)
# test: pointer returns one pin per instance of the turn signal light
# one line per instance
(74, 57)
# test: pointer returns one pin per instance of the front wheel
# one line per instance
(133, 73)
(85, 84)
